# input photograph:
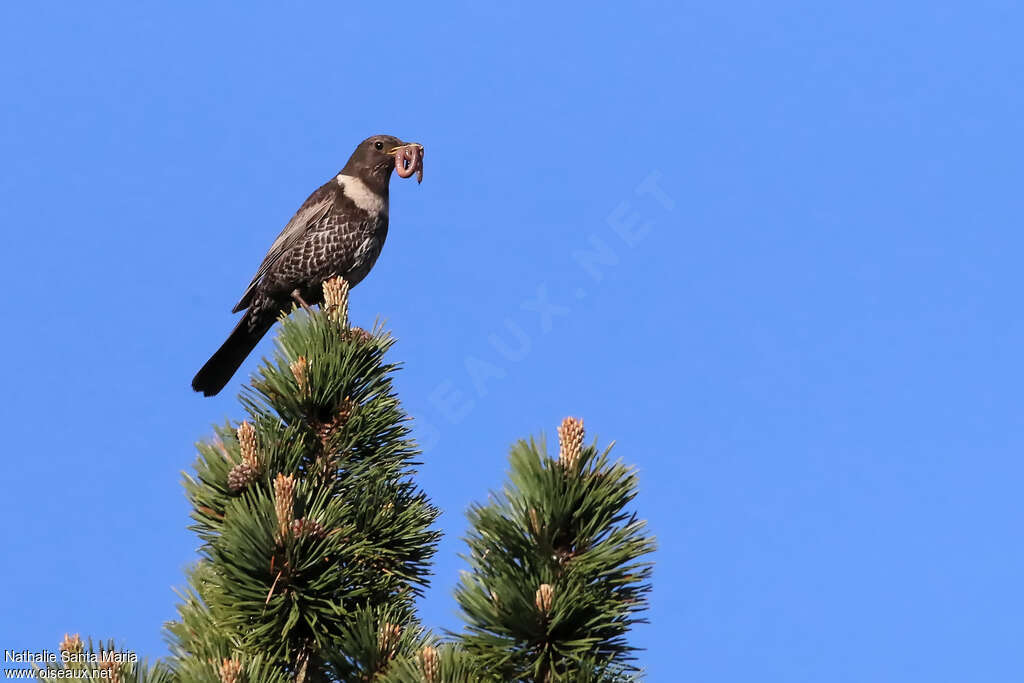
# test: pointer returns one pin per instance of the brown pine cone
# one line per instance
(241, 475)
(358, 334)
(307, 527)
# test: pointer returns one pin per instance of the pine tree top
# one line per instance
(557, 575)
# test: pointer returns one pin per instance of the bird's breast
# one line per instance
(351, 248)
(364, 198)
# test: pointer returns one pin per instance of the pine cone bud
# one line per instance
(388, 638)
(358, 334)
(247, 444)
(570, 441)
(106, 663)
(535, 526)
(284, 502)
(327, 430)
(299, 367)
(348, 406)
(545, 594)
(71, 643)
(430, 662)
(336, 300)
(307, 527)
(230, 671)
(219, 445)
(241, 475)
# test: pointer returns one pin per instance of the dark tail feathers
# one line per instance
(223, 364)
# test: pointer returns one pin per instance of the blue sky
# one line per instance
(807, 338)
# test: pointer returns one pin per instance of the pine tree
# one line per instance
(557, 577)
(315, 540)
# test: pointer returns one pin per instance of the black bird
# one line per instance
(339, 230)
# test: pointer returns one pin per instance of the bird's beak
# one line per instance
(409, 160)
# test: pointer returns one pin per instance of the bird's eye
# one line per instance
(378, 145)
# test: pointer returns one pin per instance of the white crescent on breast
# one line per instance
(364, 198)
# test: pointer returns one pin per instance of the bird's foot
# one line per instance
(300, 301)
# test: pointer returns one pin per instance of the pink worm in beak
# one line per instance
(409, 160)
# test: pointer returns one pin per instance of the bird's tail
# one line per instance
(223, 364)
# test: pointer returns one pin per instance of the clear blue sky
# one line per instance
(809, 345)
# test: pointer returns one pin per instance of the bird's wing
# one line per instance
(311, 212)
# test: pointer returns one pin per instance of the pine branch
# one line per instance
(438, 663)
(313, 533)
(557, 575)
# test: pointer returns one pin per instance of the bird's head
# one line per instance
(378, 155)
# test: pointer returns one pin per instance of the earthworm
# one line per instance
(409, 160)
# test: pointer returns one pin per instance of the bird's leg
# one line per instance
(300, 301)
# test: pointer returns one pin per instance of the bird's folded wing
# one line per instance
(312, 212)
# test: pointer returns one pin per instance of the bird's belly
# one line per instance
(349, 250)
(365, 256)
